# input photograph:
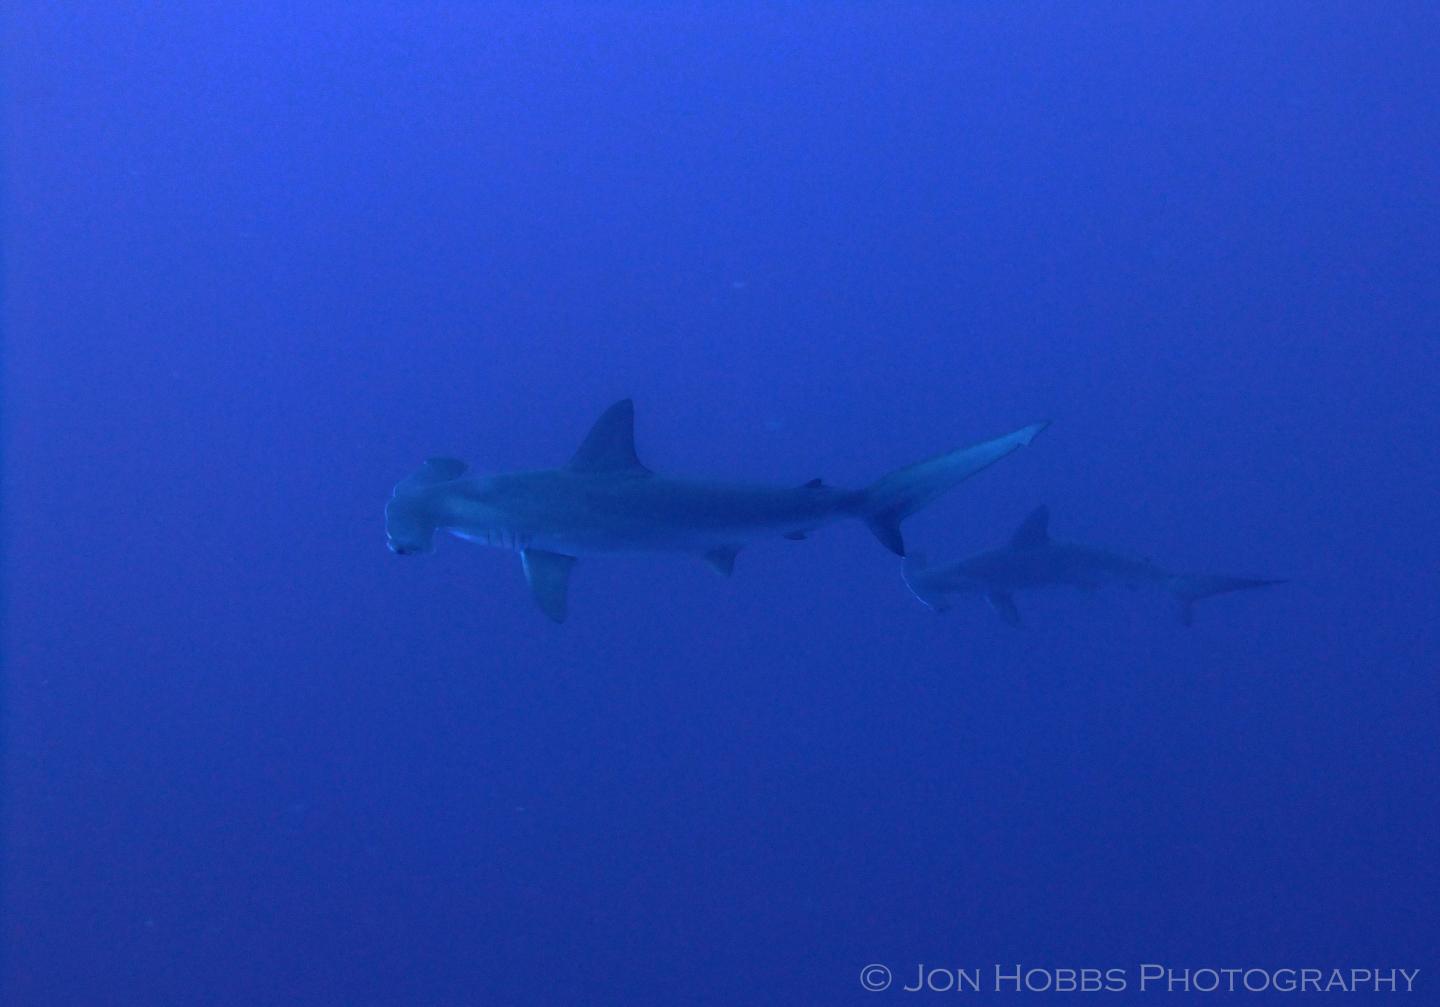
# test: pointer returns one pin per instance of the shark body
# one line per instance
(1032, 559)
(605, 501)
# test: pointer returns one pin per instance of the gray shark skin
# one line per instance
(605, 501)
(1032, 559)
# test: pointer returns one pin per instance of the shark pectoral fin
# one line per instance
(548, 574)
(722, 559)
(1185, 611)
(1004, 605)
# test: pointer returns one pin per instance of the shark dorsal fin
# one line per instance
(1033, 531)
(610, 444)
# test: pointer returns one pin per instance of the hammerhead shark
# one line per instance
(1033, 559)
(605, 501)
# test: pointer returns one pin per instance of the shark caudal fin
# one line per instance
(894, 497)
(1187, 589)
(912, 569)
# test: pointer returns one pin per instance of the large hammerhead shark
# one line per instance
(605, 501)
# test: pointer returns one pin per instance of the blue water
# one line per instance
(260, 260)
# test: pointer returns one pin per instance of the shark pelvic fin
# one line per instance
(722, 559)
(1004, 605)
(610, 444)
(1034, 531)
(548, 574)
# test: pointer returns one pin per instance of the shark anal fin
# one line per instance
(722, 559)
(1004, 605)
(610, 444)
(548, 574)
(1034, 531)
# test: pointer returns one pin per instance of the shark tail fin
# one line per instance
(912, 569)
(1187, 589)
(894, 497)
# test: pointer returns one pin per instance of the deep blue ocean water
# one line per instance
(260, 260)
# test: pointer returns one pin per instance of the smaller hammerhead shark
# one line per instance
(1033, 559)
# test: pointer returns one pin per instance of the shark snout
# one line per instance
(401, 547)
(408, 529)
